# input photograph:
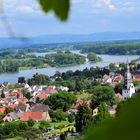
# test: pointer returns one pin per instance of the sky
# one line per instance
(25, 17)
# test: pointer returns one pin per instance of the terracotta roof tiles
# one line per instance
(35, 116)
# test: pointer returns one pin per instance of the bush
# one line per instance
(62, 100)
(30, 122)
(58, 115)
(71, 118)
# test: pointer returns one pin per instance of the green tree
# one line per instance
(9, 127)
(44, 125)
(61, 100)
(112, 67)
(33, 134)
(71, 118)
(10, 86)
(30, 122)
(63, 136)
(83, 118)
(58, 115)
(21, 80)
(28, 95)
(102, 94)
(23, 126)
(119, 88)
(136, 83)
(8, 110)
(103, 113)
(62, 58)
(93, 57)
(78, 85)
(39, 79)
(2, 95)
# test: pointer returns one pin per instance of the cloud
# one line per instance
(24, 6)
(96, 3)
(109, 4)
(25, 9)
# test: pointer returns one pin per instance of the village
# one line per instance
(27, 103)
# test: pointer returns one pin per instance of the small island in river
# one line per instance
(17, 61)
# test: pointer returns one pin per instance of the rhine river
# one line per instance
(50, 71)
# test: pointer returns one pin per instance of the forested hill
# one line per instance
(116, 48)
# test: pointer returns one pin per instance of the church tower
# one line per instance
(128, 87)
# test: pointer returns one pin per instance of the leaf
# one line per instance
(61, 8)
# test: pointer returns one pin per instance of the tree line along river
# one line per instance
(50, 71)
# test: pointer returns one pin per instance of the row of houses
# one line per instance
(17, 97)
(24, 108)
(36, 112)
(114, 78)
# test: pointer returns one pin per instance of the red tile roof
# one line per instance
(51, 90)
(12, 106)
(13, 94)
(80, 102)
(136, 77)
(35, 116)
(22, 101)
(42, 95)
(2, 109)
(20, 94)
(117, 79)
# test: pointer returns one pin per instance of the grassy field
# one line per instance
(63, 126)
(16, 138)
(62, 130)
(26, 68)
(31, 68)
(55, 124)
(64, 123)
(84, 96)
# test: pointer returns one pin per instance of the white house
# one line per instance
(61, 88)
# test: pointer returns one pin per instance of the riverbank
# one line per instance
(32, 68)
(50, 71)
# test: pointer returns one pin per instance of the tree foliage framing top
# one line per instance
(61, 8)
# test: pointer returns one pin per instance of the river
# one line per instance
(107, 59)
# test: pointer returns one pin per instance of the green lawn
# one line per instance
(84, 96)
(25, 68)
(30, 68)
(62, 130)
(16, 138)
(55, 124)
(64, 125)
(36, 125)
(60, 123)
